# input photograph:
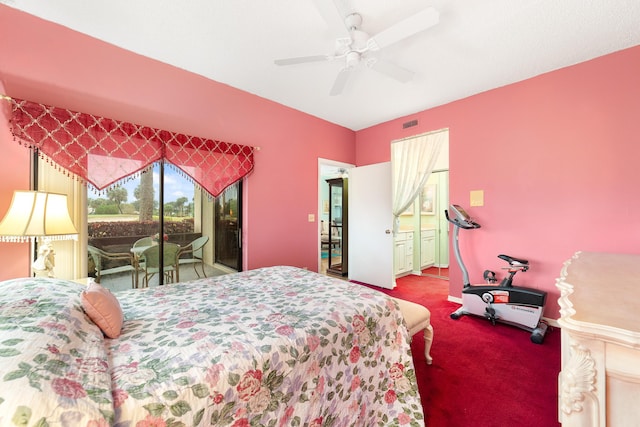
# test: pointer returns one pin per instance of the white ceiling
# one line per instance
(476, 46)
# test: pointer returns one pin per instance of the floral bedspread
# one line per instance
(277, 346)
(53, 362)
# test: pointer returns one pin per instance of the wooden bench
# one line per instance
(418, 318)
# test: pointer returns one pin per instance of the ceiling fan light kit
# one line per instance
(355, 48)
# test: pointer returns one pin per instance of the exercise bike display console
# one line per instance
(518, 306)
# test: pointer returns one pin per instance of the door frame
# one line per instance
(323, 165)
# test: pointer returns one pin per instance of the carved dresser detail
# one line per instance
(599, 382)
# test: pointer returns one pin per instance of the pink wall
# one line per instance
(556, 155)
(557, 158)
(48, 63)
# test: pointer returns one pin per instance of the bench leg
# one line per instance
(428, 340)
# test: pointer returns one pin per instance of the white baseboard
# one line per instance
(454, 299)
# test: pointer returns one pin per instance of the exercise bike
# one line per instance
(505, 303)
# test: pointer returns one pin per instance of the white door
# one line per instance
(371, 225)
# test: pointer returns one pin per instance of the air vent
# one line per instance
(409, 124)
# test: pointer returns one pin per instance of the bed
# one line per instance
(277, 346)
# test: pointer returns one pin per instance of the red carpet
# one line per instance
(482, 375)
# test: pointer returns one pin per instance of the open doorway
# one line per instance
(422, 238)
(425, 224)
(329, 238)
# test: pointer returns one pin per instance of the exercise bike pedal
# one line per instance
(490, 313)
(489, 276)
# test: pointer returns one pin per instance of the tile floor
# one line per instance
(119, 282)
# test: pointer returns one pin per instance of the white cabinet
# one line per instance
(403, 253)
(599, 383)
(427, 248)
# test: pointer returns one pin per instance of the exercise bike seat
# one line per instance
(513, 260)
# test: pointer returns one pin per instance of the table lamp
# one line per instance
(38, 215)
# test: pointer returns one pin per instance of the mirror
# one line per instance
(434, 228)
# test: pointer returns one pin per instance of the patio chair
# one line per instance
(145, 241)
(151, 257)
(194, 249)
(102, 258)
(138, 247)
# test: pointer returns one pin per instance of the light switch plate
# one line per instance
(312, 218)
(476, 198)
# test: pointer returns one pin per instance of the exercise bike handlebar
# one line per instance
(462, 219)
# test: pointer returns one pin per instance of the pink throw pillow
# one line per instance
(103, 308)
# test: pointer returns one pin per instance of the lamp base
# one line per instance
(43, 265)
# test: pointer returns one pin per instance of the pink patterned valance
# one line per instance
(103, 151)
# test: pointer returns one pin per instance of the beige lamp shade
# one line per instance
(35, 214)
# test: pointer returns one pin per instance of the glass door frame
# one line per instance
(222, 242)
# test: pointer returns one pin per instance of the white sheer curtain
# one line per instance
(412, 161)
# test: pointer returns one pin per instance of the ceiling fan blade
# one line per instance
(341, 81)
(333, 16)
(394, 71)
(301, 60)
(421, 21)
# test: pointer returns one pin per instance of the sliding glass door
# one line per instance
(126, 219)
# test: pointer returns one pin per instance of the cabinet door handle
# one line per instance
(387, 231)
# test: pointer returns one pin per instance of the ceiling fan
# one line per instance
(353, 45)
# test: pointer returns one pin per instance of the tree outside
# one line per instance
(117, 196)
(145, 194)
(135, 201)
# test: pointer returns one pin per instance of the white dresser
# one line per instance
(599, 384)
